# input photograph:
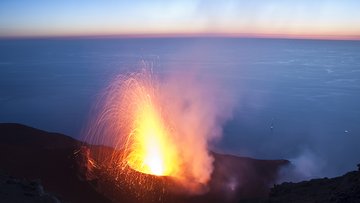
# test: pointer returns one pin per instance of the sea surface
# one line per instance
(295, 99)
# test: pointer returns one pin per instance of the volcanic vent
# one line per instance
(160, 128)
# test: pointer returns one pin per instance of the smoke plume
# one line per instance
(198, 114)
(303, 167)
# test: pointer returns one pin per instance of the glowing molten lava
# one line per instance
(157, 127)
(150, 150)
(133, 120)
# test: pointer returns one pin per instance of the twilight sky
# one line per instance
(284, 18)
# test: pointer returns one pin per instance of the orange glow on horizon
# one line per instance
(289, 19)
(320, 36)
(230, 29)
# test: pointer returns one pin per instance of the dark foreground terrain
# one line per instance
(37, 166)
(30, 154)
(345, 188)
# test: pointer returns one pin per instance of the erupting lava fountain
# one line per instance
(158, 129)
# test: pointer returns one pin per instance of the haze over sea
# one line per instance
(296, 99)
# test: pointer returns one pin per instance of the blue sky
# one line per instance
(335, 18)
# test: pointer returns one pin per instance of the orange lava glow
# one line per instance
(144, 126)
(149, 143)
(133, 120)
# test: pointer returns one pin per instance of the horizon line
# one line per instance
(190, 35)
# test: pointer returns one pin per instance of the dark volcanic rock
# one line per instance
(54, 159)
(14, 190)
(345, 188)
(29, 153)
